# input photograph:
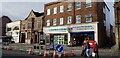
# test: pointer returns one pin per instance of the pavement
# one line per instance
(77, 50)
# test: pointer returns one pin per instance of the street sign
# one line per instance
(59, 48)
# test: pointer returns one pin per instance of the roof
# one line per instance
(37, 14)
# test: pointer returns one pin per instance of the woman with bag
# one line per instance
(95, 50)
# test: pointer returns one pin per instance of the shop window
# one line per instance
(78, 19)
(48, 11)
(69, 7)
(61, 21)
(69, 20)
(88, 18)
(61, 8)
(54, 22)
(55, 10)
(78, 5)
(48, 22)
(88, 3)
(39, 24)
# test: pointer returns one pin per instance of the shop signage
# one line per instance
(59, 29)
(82, 28)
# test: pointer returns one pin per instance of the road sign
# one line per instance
(59, 48)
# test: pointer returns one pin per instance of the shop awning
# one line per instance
(83, 32)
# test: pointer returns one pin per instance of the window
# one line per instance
(88, 3)
(69, 20)
(61, 8)
(78, 19)
(48, 22)
(9, 29)
(88, 18)
(48, 11)
(55, 10)
(54, 22)
(16, 28)
(29, 25)
(39, 24)
(78, 5)
(23, 26)
(69, 7)
(61, 21)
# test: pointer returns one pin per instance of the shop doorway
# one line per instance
(79, 38)
(23, 38)
(60, 39)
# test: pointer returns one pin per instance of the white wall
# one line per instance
(15, 33)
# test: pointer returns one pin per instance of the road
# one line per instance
(19, 54)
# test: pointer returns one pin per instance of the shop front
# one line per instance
(56, 35)
(84, 31)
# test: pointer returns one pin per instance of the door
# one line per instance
(23, 38)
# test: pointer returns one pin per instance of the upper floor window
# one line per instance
(61, 21)
(48, 11)
(54, 22)
(69, 20)
(39, 24)
(9, 29)
(23, 26)
(48, 22)
(62, 8)
(88, 18)
(78, 18)
(29, 25)
(69, 7)
(16, 28)
(88, 3)
(78, 5)
(55, 10)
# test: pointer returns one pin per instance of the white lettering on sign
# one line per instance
(82, 28)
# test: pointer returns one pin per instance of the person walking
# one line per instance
(88, 49)
(83, 49)
(95, 50)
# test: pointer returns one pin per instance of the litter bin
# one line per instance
(34, 47)
(41, 47)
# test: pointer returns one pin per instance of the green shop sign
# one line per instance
(61, 29)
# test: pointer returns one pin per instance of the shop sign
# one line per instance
(61, 29)
(56, 30)
(82, 28)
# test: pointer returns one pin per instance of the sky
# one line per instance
(19, 10)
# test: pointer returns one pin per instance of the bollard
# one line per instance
(73, 52)
(64, 53)
(30, 51)
(45, 53)
(54, 54)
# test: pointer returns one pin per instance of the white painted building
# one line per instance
(13, 29)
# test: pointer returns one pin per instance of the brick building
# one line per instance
(76, 21)
(117, 21)
(3, 21)
(31, 28)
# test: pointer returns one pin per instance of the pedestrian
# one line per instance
(95, 50)
(84, 49)
(88, 49)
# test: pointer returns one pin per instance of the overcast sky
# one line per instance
(19, 10)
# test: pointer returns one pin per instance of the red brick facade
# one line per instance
(96, 10)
